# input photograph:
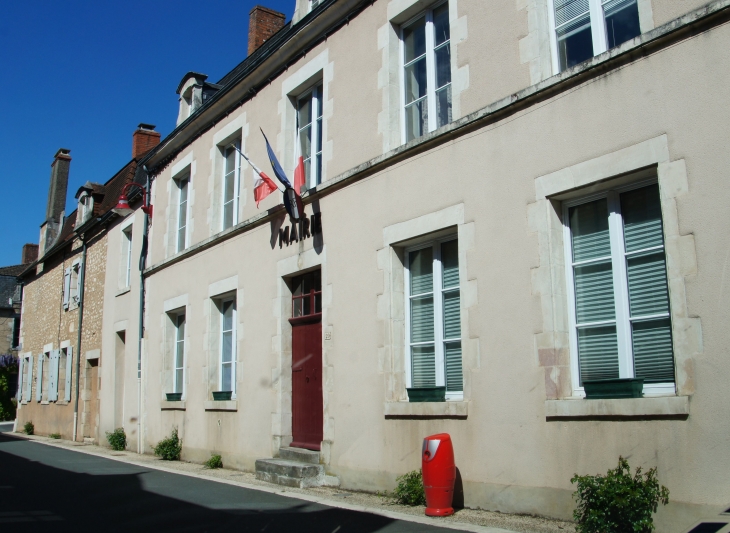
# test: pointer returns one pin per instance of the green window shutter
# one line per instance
(21, 379)
(39, 379)
(53, 376)
(67, 389)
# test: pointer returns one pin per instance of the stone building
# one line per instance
(11, 296)
(61, 324)
(503, 201)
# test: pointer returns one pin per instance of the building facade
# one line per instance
(504, 201)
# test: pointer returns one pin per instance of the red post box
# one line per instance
(439, 474)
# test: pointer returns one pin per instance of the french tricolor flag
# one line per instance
(262, 184)
(299, 174)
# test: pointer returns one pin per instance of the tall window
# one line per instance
(182, 212)
(427, 72)
(228, 344)
(621, 326)
(309, 122)
(231, 180)
(584, 28)
(433, 317)
(180, 353)
(127, 256)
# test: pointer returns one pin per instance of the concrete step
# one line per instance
(299, 454)
(289, 473)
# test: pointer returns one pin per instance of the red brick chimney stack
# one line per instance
(262, 24)
(30, 253)
(144, 139)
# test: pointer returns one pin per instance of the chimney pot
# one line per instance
(262, 24)
(144, 139)
(30, 253)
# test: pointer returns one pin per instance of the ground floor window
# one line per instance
(433, 317)
(617, 282)
(228, 343)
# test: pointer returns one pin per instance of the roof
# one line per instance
(13, 270)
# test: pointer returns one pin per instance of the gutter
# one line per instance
(711, 14)
(81, 282)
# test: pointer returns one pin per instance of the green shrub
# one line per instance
(117, 439)
(618, 502)
(55, 435)
(169, 449)
(29, 428)
(215, 461)
(409, 490)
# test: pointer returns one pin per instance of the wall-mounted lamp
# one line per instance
(123, 209)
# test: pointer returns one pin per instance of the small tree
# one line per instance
(618, 502)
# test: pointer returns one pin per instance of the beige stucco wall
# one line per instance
(510, 455)
(45, 324)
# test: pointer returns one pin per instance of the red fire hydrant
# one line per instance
(439, 474)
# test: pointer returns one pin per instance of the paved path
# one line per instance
(45, 488)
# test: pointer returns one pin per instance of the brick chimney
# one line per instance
(30, 253)
(144, 139)
(262, 24)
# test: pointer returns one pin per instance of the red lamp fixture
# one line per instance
(123, 209)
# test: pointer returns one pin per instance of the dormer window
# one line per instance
(85, 209)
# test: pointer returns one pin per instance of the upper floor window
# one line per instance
(314, 3)
(426, 72)
(231, 184)
(71, 286)
(309, 124)
(182, 211)
(433, 317)
(617, 284)
(85, 208)
(584, 28)
(127, 256)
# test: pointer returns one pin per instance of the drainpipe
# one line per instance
(142, 263)
(82, 275)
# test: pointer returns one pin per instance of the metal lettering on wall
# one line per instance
(306, 227)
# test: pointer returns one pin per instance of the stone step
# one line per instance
(299, 454)
(289, 473)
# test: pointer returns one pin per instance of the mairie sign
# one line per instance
(305, 228)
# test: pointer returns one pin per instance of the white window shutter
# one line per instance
(39, 379)
(29, 379)
(69, 358)
(21, 381)
(66, 287)
(53, 376)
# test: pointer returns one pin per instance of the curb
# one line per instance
(459, 526)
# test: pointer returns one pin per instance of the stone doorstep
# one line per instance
(289, 473)
(299, 454)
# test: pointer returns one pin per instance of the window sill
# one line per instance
(229, 405)
(45, 402)
(172, 406)
(651, 407)
(449, 409)
(124, 290)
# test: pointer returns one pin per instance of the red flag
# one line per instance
(262, 187)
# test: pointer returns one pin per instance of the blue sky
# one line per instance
(82, 75)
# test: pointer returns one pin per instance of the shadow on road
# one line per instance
(35, 496)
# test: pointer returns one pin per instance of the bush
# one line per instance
(29, 428)
(410, 489)
(618, 502)
(169, 449)
(117, 439)
(8, 381)
(215, 461)
(55, 435)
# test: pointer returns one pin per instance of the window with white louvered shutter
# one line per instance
(620, 321)
(21, 379)
(39, 379)
(66, 288)
(433, 317)
(69, 367)
(29, 378)
(53, 376)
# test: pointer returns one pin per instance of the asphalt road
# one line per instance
(43, 488)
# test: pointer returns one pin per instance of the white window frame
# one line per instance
(236, 146)
(598, 30)
(313, 4)
(315, 97)
(183, 179)
(233, 361)
(438, 292)
(179, 344)
(127, 256)
(430, 70)
(621, 292)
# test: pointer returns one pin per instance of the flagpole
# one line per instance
(256, 169)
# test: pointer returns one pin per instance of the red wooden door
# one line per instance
(307, 406)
